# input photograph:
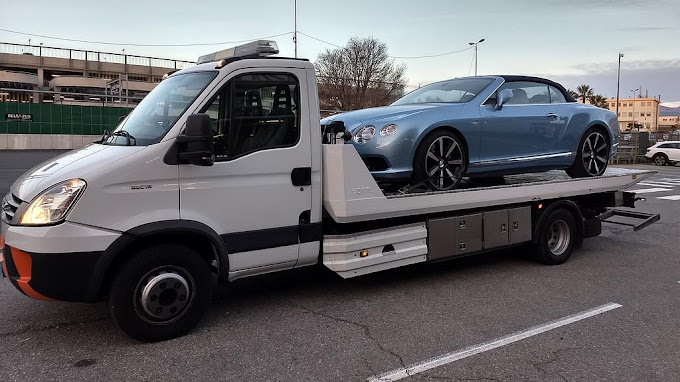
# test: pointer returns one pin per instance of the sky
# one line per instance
(570, 41)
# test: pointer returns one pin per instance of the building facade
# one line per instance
(669, 123)
(38, 74)
(641, 111)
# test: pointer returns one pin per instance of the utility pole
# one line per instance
(637, 136)
(618, 81)
(295, 30)
(475, 44)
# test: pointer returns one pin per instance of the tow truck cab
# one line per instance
(220, 173)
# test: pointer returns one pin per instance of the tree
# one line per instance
(599, 100)
(584, 92)
(358, 75)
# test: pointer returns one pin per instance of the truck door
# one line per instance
(258, 193)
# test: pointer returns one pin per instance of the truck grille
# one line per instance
(10, 204)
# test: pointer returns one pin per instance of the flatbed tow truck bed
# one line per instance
(445, 224)
(352, 195)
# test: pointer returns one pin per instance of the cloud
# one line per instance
(659, 77)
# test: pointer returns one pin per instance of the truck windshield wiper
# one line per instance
(127, 135)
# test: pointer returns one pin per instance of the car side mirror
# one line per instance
(503, 97)
(196, 144)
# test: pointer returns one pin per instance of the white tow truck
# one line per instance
(223, 172)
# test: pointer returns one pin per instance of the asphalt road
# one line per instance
(310, 325)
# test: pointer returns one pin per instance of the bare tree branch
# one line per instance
(359, 75)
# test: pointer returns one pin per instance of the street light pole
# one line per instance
(634, 91)
(295, 30)
(618, 82)
(475, 45)
(637, 136)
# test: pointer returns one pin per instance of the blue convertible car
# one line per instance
(481, 127)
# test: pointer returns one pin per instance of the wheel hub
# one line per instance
(165, 296)
(558, 237)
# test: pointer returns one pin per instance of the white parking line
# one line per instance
(656, 183)
(669, 197)
(420, 367)
(648, 190)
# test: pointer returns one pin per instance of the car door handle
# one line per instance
(552, 115)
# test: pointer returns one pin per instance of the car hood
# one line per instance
(73, 164)
(383, 114)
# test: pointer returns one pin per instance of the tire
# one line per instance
(141, 302)
(660, 159)
(591, 162)
(556, 237)
(440, 161)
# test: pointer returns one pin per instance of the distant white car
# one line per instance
(664, 153)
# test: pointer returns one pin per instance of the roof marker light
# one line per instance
(260, 48)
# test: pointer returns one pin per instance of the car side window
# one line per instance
(666, 146)
(527, 93)
(556, 95)
(255, 112)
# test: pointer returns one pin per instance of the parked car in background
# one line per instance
(480, 127)
(664, 153)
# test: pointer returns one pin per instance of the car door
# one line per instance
(523, 130)
(257, 193)
(674, 152)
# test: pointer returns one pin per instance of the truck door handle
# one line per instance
(552, 115)
(301, 176)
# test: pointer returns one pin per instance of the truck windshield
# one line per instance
(158, 111)
(453, 91)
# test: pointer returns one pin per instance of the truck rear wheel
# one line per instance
(160, 293)
(556, 237)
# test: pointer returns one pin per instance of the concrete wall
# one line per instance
(44, 141)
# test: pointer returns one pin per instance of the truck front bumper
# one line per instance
(56, 262)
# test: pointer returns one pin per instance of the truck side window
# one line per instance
(255, 112)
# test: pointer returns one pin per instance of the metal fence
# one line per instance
(86, 55)
(51, 118)
(50, 112)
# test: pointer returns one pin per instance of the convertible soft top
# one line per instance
(564, 91)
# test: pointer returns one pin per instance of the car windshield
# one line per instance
(453, 91)
(158, 111)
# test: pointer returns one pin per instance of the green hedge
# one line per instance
(60, 119)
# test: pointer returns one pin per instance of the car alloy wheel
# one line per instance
(660, 160)
(594, 154)
(444, 163)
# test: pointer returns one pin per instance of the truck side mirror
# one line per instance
(503, 97)
(196, 144)
(334, 131)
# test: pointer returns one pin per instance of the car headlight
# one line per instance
(364, 134)
(54, 203)
(388, 130)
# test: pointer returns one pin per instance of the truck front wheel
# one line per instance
(556, 237)
(161, 292)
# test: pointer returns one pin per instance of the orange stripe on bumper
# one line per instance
(23, 263)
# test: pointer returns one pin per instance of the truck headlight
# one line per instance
(53, 204)
(364, 134)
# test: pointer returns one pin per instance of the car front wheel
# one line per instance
(592, 155)
(440, 161)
